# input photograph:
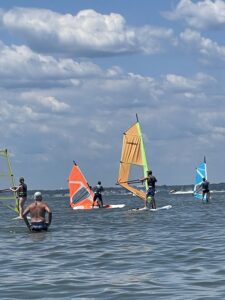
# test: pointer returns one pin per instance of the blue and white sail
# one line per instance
(201, 172)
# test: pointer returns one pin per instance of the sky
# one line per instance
(74, 74)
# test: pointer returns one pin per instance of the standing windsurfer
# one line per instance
(98, 189)
(21, 191)
(37, 210)
(151, 180)
(205, 189)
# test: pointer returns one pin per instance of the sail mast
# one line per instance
(144, 156)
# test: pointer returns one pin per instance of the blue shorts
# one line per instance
(151, 192)
(39, 226)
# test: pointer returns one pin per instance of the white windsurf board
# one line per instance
(152, 209)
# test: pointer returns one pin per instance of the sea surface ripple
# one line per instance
(117, 253)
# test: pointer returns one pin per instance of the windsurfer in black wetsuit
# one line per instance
(98, 189)
(205, 189)
(21, 191)
(151, 180)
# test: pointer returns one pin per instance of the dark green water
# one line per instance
(118, 254)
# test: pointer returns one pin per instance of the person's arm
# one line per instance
(14, 188)
(26, 212)
(49, 215)
(143, 179)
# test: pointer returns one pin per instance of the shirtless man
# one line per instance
(37, 210)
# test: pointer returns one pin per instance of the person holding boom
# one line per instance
(151, 180)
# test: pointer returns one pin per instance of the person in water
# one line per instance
(205, 189)
(37, 210)
(98, 189)
(21, 191)
(150, 195)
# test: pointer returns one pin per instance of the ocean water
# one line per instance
(117, 253)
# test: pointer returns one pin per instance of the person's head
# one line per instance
(99, 182)
(37, 196)
(203, 179)
(21, 179)
(150, 172)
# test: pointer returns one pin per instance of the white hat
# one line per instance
(37, 196)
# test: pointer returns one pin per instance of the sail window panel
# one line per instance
(81, 195)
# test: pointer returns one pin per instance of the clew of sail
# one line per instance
(133, 154)
(81, 195)
(7, 197)
(201, 172)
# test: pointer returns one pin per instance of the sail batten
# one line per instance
(132, 155)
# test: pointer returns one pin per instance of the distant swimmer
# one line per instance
(21, 191)
(150, 199)
(98, 189)
(205, 189)
(37, 210)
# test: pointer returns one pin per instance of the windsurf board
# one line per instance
(152, 209)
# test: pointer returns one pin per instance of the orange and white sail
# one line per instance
(133, 154)
(81, 195)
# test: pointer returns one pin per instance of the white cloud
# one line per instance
(46, 102)
(55, 109)
(207, 48)
(86, 34)
(181, 83)
(200, 14)
(19, 65)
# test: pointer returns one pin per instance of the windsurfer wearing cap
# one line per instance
(37, 211)
(21, 191)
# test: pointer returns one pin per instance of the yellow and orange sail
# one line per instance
(133, 154)
(81, 195)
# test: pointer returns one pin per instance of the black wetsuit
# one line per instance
(205, 186)
(205, 190)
